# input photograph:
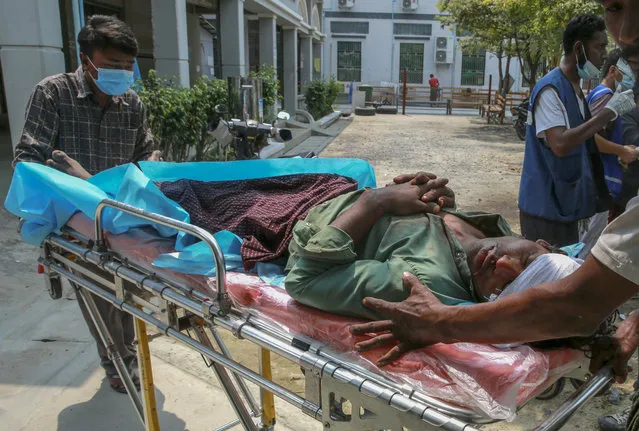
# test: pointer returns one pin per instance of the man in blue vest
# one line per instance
(562, 180)
(610, 144)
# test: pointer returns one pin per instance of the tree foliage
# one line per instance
(528, 29)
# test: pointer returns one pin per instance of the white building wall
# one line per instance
(381, 48)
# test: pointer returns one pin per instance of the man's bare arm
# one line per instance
(574, 306)
(563, 140)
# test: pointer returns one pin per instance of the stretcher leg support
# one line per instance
(244, 417)
(146, 373)
(268, 401)
(113, 352)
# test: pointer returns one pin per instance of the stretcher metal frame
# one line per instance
(178, 310)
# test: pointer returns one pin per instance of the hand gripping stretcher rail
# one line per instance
(176, 308)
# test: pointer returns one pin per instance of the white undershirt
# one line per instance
(550, 112)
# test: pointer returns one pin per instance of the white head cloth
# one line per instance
(546, 268)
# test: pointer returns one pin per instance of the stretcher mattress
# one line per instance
(490, 380)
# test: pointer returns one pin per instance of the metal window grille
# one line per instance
(412, 29)
(473, 68)
(411, 58)
(349, 61)
(349, 27)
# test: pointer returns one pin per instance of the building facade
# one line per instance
(177, 38)
(373, 41)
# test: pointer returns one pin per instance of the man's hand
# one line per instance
(156, 156)
(446, 198)
(621, 103)
(413, 322)
(62, 162)
(618, 349)
(629, 154)
(408, 199)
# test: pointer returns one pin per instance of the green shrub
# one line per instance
(179, 117)
(270, 85)
(320, 96)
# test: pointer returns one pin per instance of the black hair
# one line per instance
(104, 32)
(611, 60)
(432, 76)
(582, 28)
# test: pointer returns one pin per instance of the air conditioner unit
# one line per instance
(444, 51)
(410, 4)
(346, 4)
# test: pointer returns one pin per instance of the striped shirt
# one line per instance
(63, 114)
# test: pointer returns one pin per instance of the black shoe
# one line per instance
(614, 422)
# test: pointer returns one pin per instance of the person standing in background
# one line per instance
(434, 88)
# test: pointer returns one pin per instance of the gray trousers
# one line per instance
(120, 326)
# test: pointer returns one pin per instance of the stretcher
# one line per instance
(342, 391)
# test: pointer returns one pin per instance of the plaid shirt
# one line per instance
(63, 114)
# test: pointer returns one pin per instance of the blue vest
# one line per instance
(562, 189)
(612, 168)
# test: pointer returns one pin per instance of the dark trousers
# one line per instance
(556, 233)
(120, 326)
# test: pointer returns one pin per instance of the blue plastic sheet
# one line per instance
(197, 258)
(46, 198)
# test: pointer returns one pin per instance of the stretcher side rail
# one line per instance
(220, 279)
(329, 367)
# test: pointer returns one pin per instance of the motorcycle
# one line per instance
(249, 139)
(520, 117)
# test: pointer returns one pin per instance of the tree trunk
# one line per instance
(506, 74)
(500, 57)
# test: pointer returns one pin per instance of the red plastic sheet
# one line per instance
(490, 380)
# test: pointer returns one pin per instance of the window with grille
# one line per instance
(349, 61)
(473, 68)
(409, 29)
(411, 58)
(349, 27)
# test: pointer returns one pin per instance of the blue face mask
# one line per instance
(114, 82)
(588, 70)
(628, 81)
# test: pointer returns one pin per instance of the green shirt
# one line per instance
(328, 272)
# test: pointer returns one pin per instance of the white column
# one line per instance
(170, 39)
(289, 80)
(307, 59)
(268, 40)
(232, 38)
(30, 50)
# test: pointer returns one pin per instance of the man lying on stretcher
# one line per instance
(359, 244)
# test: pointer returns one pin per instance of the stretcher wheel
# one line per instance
(55, 288)
(577, 384)
(553, 390)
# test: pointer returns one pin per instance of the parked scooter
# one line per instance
(520, 117)
(249, 139)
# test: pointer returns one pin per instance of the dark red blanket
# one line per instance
(262, 211)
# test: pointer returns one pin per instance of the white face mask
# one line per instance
(589, 70)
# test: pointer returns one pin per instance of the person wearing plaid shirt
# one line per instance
(87, 121)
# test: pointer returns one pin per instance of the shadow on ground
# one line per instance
(490, 133)
(116, 412)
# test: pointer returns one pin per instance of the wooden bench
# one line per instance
(496, 111)
(463, 99)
